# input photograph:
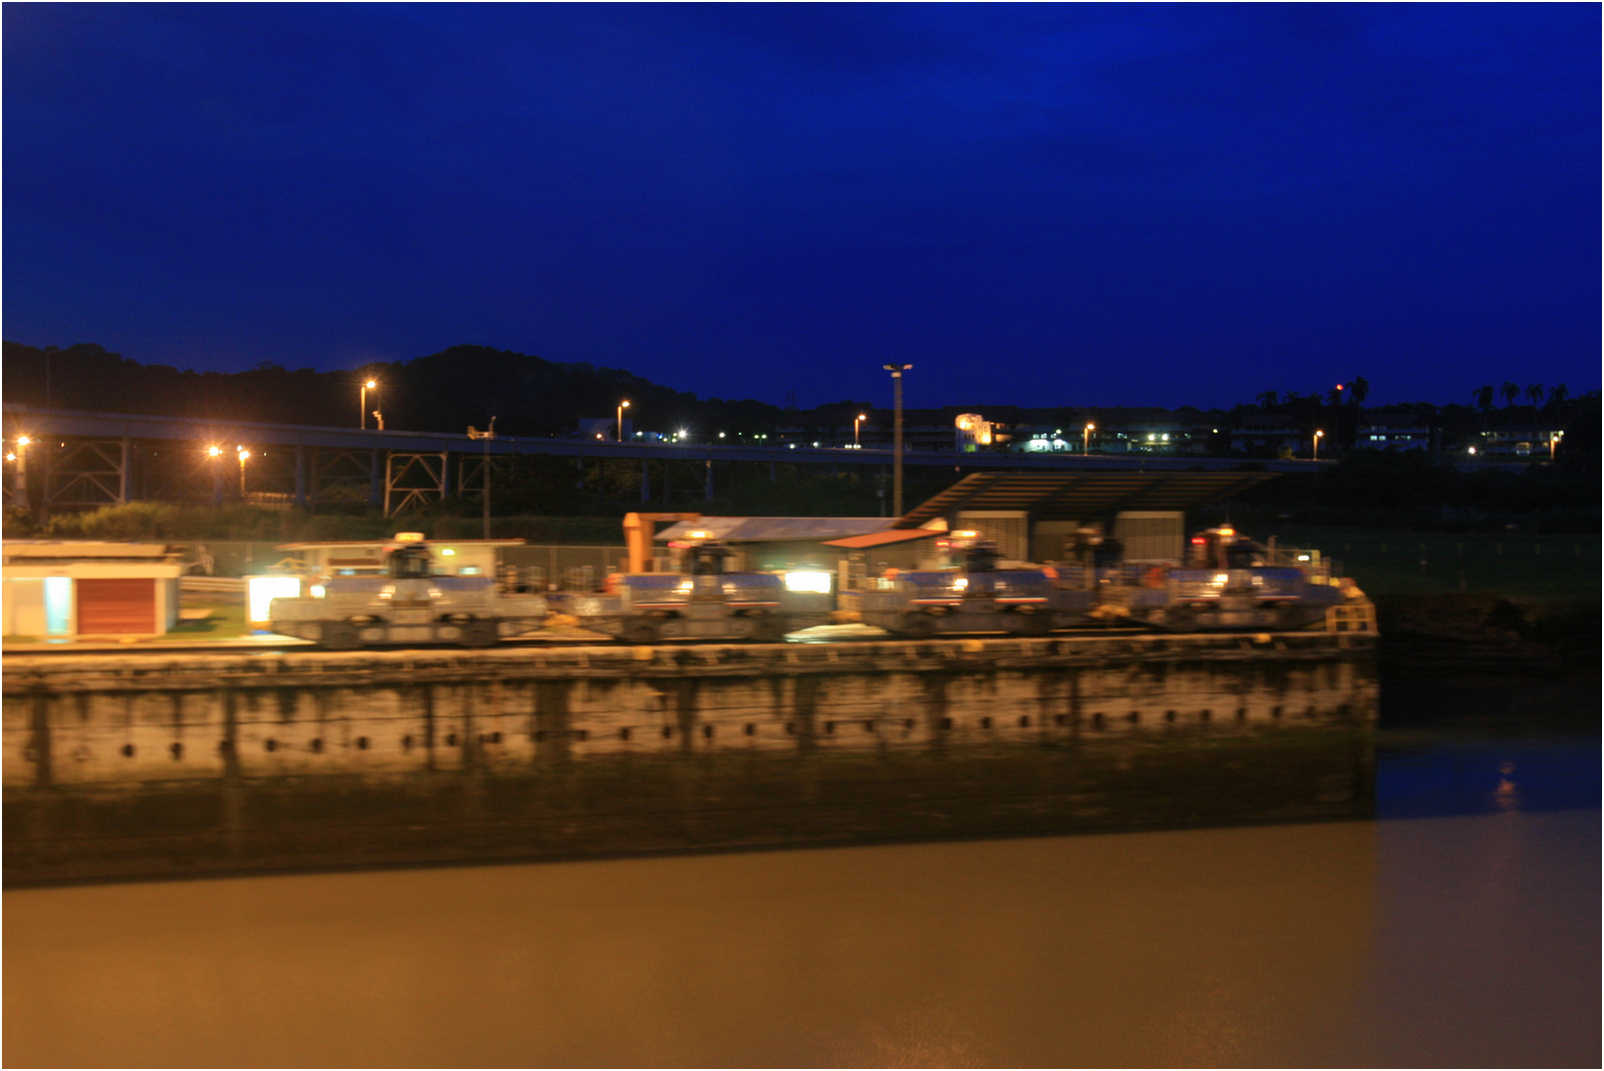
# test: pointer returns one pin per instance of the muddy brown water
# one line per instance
(1467, 939)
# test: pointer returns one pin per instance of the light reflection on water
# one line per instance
(1466, 940)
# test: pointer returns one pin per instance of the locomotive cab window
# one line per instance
(409, 563)
(708, 560)
(982, 558)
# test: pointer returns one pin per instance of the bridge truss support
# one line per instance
(341, 477)
(413, 480)
(471, 475)
(173, 472)
(86, 473)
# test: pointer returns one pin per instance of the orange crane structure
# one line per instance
(638, 531)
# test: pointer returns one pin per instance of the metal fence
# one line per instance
(211, 585)
(548, 566)
(229, 557)
(532, 567)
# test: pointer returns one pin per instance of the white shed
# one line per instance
(61, 588)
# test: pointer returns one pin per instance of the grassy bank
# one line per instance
(1521, 565)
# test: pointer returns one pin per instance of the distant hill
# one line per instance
(531, 396)
(445, 391)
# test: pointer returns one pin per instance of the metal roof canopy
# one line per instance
(1049, 496)
(880, 539)
(773, 529)
(350, 544)
(86, 549)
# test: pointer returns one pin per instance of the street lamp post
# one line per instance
(1553, 441)
(213, 452)
(485, 437)
(1086, 438)
(896, 371)
(244, 456)
(1319, 433)
(623, 405)
(367, 385)
(856, 424)
(23, 442)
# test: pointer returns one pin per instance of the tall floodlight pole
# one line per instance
(896, 371)
(213, 452)
(362, 401)
(485, 437)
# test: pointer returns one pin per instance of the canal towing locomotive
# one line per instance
(408, 602)
(974, 595)
(703, 602)
(1230, 582)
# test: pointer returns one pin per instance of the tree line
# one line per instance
(530, 396)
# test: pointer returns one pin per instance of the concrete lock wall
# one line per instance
(307, 734)
(108, 725)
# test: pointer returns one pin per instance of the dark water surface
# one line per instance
(1461, 928)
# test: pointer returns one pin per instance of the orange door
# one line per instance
(119, 605)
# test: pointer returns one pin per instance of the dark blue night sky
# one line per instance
(1057, 205)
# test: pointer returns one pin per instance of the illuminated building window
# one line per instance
(58, 605)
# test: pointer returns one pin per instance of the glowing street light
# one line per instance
(367, 385)
(623, 405)
(244, 455)
(1553, 441)
(213, 453)
(1086, 438)
(1319, 433)
(856, 424)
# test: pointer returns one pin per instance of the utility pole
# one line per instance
(896, 371)
(23, 442)
(485, 437)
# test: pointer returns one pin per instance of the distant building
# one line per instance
(1267, 434)
(1150, 438)
(972, 432)
(1041, 439)
(1392, 437)
(1514, 442)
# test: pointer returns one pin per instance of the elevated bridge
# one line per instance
(83, 459)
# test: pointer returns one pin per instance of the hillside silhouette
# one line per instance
(530, 396)
(445, 391)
